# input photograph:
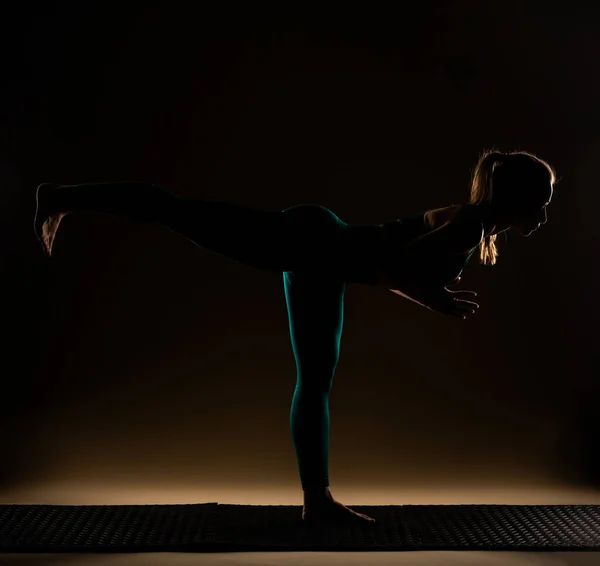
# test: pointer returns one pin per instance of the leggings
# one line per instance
(300, 242)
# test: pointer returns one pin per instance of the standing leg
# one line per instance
(316, 316)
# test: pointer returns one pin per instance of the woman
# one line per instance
(416, 257)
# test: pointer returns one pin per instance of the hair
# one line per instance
(488, 167)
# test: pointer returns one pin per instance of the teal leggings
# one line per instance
(302, 242)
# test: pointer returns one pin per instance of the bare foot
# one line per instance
(330, 511)
(46, 220)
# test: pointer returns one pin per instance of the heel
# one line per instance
(46, 221)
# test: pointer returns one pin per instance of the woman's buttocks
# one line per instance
(312, 214)
(331, 247)
(313, 235)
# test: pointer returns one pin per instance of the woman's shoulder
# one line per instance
(465, 217)
(437, 217)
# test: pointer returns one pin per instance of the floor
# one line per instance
(525, 492)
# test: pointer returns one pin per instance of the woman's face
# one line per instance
(531, 212)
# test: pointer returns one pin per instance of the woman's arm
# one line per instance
(441, 301)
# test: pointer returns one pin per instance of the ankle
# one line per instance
(53, 199)
(312, 496)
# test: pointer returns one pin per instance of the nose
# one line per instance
(543, 218)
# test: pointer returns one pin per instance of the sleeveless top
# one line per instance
(372, 247)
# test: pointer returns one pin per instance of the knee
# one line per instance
(314, 384)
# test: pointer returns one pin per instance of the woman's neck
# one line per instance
(492, 223)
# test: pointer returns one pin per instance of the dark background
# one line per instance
(132, 353)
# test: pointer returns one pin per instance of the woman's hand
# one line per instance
(441, 300)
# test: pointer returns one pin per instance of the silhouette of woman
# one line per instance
(416, 257)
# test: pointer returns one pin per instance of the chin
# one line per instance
(523, 230)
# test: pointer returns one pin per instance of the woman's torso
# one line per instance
(356, 252)
(439, 270)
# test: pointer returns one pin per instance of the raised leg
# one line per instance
(299, 238)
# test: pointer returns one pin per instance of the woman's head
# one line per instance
(516, 188)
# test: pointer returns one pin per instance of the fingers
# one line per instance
(459, 314)
(464, 310)
(455, 314)
(463, 303)
(467, 313)
(467, 303)
(461, 292)
(457, 309)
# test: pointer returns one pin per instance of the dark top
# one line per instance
(375, 246)
(324, 242)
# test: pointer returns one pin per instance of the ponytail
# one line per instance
(482, 190)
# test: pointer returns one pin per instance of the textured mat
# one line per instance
(211, 527)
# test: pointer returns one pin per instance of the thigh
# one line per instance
(299, 238)
(315, 307)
